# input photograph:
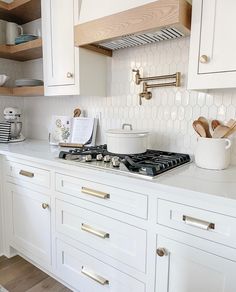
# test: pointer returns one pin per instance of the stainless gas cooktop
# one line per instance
(149, 164)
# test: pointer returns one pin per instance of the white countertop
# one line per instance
(189, 178)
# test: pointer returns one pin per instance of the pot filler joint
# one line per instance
(146, 93)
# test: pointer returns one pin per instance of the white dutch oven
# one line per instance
(127, 141)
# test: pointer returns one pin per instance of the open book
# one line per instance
(73, 130)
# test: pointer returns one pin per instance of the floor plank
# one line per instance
(18, 275)
(49, 285)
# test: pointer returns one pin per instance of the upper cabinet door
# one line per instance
(61, 26)
(218, 41)
(69, 70)
(60, 54)
(107, 7)
(212, 61)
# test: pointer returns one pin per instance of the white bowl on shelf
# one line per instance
(3, 79)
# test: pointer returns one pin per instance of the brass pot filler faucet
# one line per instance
(148, 94)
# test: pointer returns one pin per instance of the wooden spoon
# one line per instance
(232, 128)
(199, 128)
(206, 126)
(231, 123)
(220, 132)
(215, 124)
(77, 113)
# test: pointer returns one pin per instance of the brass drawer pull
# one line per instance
(94, 276)
(93, 231)
(94, 193)
(198, 223)
(26, 173)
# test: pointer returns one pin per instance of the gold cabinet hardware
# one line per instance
(161, 252)
(204, 59)
(90, 229)
(26, 173)
(198, 223)
(94, 193)
(45, 206)
(94, 276)
(69, 75)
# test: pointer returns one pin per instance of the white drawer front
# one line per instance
(118, 199)
(87, 274)
(26, 173)
(205, 224)
(121, 241)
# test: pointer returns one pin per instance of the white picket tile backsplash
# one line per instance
(168, 115)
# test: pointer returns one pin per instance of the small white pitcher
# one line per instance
(213, 153)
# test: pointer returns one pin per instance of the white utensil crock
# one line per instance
(122, 141)
(213, 153)
(13, 30)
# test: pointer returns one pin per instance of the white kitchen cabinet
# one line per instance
(29, 223)
(88, 274)
(68, 70)
(212, 60)
(182, 268)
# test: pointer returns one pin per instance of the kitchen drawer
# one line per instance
(118, 199)
(209, 225)
(87, 274)
(123, 242)
(26, 173)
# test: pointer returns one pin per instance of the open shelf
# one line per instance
(22, 91)
(6, 91)
(20, 11)
(23, 52)
(28, 91)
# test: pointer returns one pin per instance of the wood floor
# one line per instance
(17, 275)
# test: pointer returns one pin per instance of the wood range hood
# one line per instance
(149, 23)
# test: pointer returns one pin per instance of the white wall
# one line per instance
(168, 115)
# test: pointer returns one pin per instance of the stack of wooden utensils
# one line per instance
(214, 129)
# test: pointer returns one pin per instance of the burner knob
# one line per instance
(99, 157)
(115, 161)
(88, 158)
(107, 158)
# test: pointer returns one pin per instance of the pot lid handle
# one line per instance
(127, 125)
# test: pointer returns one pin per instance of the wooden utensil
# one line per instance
(220, 131)
(231, 123)
(231, 131)
(199, 128)
(77, 113)
(206, 126)
(215, 124)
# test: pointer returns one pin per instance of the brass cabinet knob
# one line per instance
(204, 59)
(45, 206)
(161, 252)
(69, 75)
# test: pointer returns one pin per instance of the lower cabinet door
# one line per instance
(182, 268)
(29, 223)
(88, 274)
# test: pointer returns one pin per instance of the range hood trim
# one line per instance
(147, 18)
